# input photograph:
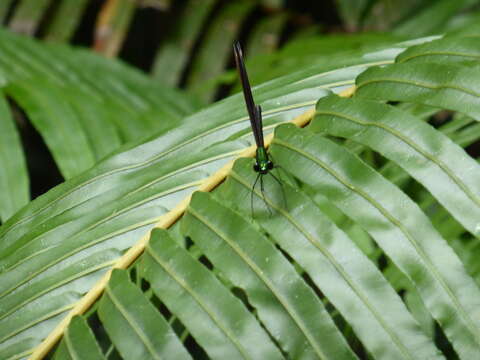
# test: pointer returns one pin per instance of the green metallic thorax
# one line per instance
(263, 164)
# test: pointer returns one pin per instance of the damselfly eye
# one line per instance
(256, 168)
(269, 165)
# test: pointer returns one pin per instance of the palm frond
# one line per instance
(305, 282)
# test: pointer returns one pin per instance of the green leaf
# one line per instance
(18, 350)
(454, 87)
(102, 136)
(28, 15)
(133, 324)
(288, 308)
(326, 53)
(217, 48)
(444, 168)
(449, 49)
(396, 223)
(80, 118)
(334, 263)
(172, 56)
(130, 90)
(352, 11)
(217, 320)
(65, 20)
(14, 184)
(77, 276)
(58, 123)
(266, 35)
(432, 18)
(29, 319)
(78, 342)
(464, 24)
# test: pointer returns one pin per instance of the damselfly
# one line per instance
(263, 162)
